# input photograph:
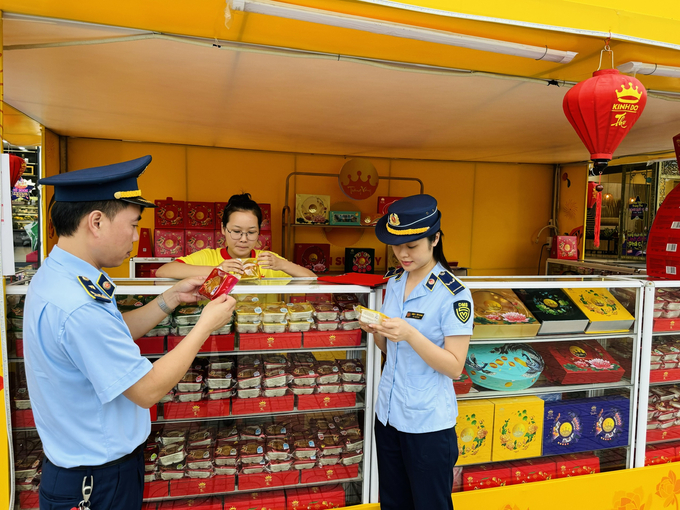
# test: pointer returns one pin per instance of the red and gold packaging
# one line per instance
(217, 283)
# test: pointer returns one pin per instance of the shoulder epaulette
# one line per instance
(93, 291)
(398, 271)
(451, 282)
(106, 285)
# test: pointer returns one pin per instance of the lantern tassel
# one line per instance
(598, 214)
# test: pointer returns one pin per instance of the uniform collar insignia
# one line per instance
(451, 282)
(395, 272)
(431, 282)
(106, 285)
(93, 291)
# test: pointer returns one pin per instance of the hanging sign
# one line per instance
(637, 209)
(22, 190)
(634, 245)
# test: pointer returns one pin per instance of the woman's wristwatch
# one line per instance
(164, 306)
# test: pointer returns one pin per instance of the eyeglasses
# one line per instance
(237, 234)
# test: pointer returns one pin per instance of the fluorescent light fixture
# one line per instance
(649, 69)
(335, 19)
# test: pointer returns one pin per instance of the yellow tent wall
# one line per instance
(491, 212)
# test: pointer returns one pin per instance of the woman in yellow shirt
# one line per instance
(241, 229)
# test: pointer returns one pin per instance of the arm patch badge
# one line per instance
(463, 310)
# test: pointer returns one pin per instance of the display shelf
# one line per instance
(552, 338)
(544, 390)
(359, 478)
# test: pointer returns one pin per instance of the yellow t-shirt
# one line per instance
(214, 257)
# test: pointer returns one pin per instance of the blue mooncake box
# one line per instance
(610, 416)
(567, 427)
(504, 367)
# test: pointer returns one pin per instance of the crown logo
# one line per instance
(628, 95)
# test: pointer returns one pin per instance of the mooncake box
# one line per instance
(503, 367)
(579, 363)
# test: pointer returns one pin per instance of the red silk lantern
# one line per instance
(602, 109)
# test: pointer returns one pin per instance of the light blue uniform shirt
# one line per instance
(80, 358)
(412, 396)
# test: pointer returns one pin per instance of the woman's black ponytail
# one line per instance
(438, 250)
(243, 203)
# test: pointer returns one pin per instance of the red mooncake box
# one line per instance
(485, 476)
(578, 363)
(200, 215)
(266, 217)
(169, 243)
(170, 214)
(217, 283)
(197, 240)
(576, 464)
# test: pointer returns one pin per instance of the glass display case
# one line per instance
(274, 406)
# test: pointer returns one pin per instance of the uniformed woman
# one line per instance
(426, 340)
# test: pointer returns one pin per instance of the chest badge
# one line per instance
(415, 315)
(463, 310)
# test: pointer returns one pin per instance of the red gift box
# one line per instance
(153, 412)
(197, 240)
(264, 242)
(663, 434)
(578, 363)
(264, 480)
(659, 454)
(200, 215)
(214, 343)
(20, 347)
(664, 375)
(156, 489)
(219, 211)
(198, 486)
(315, 257)
(533, 470)
(269, 500)
(151, 344)
(327, 400)
(262, 341)
(564, 247)
(266, 216)
(332, 338)
(144, 243)
(192, 504)
(318, 298)
(385, 202)
(217, 283)
(666, 324)
(262, 405)
(576, 464)
(170, 214)
(324, 474)
(147, 269)
(169, 243)
(22, 418)
(326, 496)
(200, 409)
(29, 500)
(485, 476)
(463, 384)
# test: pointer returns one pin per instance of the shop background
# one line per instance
(492, 212)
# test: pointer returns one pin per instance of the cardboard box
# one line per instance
(324, 474)
(344, 218)
(219, 211)
(200, 216)
(663, 434)
(264, 480)
(326, 401)
(156, 489)
(604, 311)
(151, 344)
(262, 405)
(197, 240)
(214, 343)
(312, 209)
(144, 245)
(170, 214)
(325, 496)
(666, 324)
(315, 257)
(200, 409)
(486, 476)
(568, 426)
(269, 500)
(578, 363)
(564, 247)
(331, 338)
(359, 260)
(169, 243)
(533, 470)
(384, 204)
(576, 464)
(610, 417)
(517, 428)
(220, 241)
(265, 341)
(28, 500)
(200, 486)
(474, 426)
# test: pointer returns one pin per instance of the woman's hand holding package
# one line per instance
(234, 266)
(267, 260)
(393, 329)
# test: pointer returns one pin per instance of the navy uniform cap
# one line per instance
(110, 182)
(408, 220)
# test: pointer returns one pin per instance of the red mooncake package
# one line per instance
(217, 283)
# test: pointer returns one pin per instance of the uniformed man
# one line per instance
(425, 340)
(90, 388)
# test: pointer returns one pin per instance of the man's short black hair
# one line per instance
(66, 216)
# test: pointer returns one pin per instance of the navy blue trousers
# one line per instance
(415, 471)
(117, 487)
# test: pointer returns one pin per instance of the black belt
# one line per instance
(125, 458)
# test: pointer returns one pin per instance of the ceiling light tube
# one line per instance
(335, 19)
(649, 69)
